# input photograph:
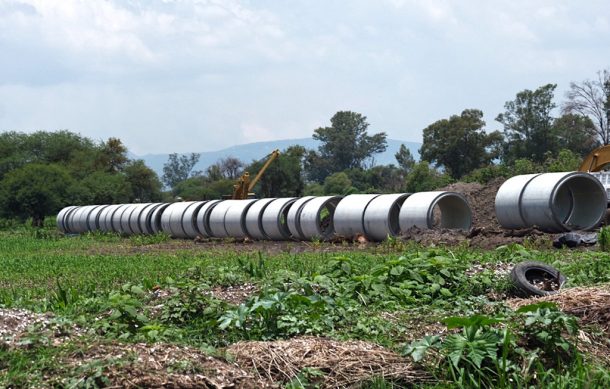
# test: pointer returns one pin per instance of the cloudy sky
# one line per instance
(200, 75)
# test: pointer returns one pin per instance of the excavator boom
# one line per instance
(596, 160)
(244, 185)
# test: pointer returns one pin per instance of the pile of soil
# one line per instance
(482, 201)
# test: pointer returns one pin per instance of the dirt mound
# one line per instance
(16, 325)
(590, 304)
(482, 201)
(345, 364)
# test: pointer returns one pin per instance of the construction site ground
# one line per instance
(149, 311)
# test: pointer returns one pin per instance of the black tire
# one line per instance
(525, 272)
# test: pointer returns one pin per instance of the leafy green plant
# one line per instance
(604, 238)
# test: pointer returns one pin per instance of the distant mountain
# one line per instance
(254, 151)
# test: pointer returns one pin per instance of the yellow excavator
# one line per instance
(243, 187)
(596, 160)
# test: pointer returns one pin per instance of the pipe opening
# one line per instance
(578, 203)
(452, 212)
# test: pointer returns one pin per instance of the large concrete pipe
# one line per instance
(117, 216)
(171, 219)
(134, 219)
(381, 216)
(218, 214)
(235, 218)
(156, 216)
(253, 221)
(124, 225)
(292, 219)
(274, 218)
(79, 221)
(349, 215)
(61, 218)
(554, 202)
(508, 201)
(189, 220)
(316, 218)
(144, 219)
(419, 210)
(105, 218)
(202, 219)
(94, 217)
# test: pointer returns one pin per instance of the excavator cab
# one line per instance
(243, 187)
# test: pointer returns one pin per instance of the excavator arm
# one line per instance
(596, 160)
(244, 186)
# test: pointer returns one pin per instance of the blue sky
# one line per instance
(180, 76)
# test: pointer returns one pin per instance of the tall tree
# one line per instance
(575, 133)
(345, 144)
(528, 125)
(231, 167)
(35, 190)
(459, 143)
(144, 182)
(113, 156)
(591, 98)
(404, 158)
(179, 168)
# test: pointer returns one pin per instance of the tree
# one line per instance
(459, 143)
(337, 184)
(424, 178)
(231, 167)
(107, 188)
(576, 133)
(179, 168)
(344, 145)
(404, 158)
(35, 191)
(112, 156)
(144, 182)
(527, 125)
(591, 98)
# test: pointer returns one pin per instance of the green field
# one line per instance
(102, 291)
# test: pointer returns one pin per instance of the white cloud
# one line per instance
(195, 75)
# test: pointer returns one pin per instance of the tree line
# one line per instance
(44, 171)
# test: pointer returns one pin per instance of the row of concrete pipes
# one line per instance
(552, 202)
(375, 216)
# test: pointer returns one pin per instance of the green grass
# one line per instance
(385, 294)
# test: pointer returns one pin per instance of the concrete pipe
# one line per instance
(316, 218)
(274, 218)
(216, 220)
(105, 218)
(556, 202)
(349, 216)
(134, 219)
(202, 219)
(94, 217)
(61, 216)
(171, 219)
(124, 224)
(189, 220)
(253, 221)
(73, 220)
(235, 218)
(144, 220)
(115, 222)
(508, 201)
(80, 218)
(421, 210)
(381, 216)
(68, 219)
(292, 219)
(156, 216)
